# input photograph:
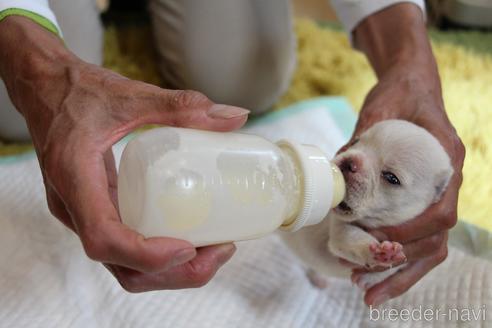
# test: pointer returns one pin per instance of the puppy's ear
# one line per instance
(441, 183)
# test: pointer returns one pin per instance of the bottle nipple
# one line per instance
(338, 185)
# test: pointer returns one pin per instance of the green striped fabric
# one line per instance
(47, 24)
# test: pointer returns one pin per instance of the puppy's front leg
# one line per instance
(353, 244)
(350, 242)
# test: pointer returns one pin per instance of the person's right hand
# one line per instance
(75, 113)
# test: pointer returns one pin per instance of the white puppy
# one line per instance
(392, 173)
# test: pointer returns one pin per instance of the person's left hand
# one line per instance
(412, 94)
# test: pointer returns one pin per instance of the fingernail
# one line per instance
(226, 250)
(183, 256)
(227, 112)
(380, 299)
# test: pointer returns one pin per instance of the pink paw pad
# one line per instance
(387, 253)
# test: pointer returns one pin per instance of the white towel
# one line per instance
(47, 281)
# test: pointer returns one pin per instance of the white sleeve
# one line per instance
(352, 12)
(40, 7)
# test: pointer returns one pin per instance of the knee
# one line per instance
(239, 55)
(252, 76)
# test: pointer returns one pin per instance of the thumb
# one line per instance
(350, 143)
(185, 108)
(362, 125)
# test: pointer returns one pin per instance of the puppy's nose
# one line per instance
(349, 165)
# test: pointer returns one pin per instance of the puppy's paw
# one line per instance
(316, 279)
(386, 254)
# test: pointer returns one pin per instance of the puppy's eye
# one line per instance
(390, 177)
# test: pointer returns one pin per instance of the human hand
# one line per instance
(75, 113)
(409, 88)
(402, 95)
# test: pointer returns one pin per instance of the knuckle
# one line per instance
(448, 219)
(459, 178)
(457, 151)
(200, 280)
(130, 285)
(183, 99)
(199, 275)
(459, 148)
(94, 251)
(442, 255)
(436, 241)
(95, 248)
(129, 281)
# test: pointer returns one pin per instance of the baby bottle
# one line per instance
(210, 188)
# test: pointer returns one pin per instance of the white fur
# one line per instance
(423, 169)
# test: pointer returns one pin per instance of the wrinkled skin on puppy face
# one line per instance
(392, 173)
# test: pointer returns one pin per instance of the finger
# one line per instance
(356, 268)
(348, 144)
(425, 247)
(438, 217)
(112, 176)
(368, 117)
(98, 225)
(377, 268)
(195, 273)
(401, 281)
(114, 243)
(360, 127)
(446, 134)
(183, 108)
(359, 269)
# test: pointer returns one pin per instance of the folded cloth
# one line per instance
(47, 281)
